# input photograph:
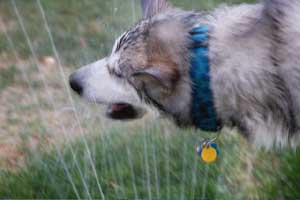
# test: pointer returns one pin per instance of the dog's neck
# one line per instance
(203, 110)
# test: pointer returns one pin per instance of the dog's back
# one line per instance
(255, 51)
(284, 17)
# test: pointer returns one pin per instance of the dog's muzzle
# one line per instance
(103, 90)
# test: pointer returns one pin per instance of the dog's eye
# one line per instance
(118, 74)
(115, 72)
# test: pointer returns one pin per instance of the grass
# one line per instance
(143, 160)
(113, 161)
(7, 76)
(88, 28)
(149, 163)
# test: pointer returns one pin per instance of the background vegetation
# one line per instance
(52, 145)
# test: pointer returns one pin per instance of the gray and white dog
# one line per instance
(254, 61)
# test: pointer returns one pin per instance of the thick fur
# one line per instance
(254, 53)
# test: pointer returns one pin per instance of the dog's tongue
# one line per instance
(118, 107)
(121, 111)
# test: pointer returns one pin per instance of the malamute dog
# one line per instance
(235, 66)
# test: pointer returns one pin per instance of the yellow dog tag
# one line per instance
(208, 150)
(209, 154)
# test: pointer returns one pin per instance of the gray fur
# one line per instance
(153, 7)
(254, 53)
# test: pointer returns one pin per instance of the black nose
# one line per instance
(75, 84)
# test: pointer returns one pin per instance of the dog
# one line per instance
(249, 55)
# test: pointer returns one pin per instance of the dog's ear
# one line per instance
(161, 72)
(157, 81)
(157, 75)
(153, 7)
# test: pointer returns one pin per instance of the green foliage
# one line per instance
(148, 163)
(7, 76)
(279, 174)
(157, 165)
(3, 43)
(82, 30)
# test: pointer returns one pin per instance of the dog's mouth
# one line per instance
(124, 111)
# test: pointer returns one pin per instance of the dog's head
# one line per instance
(148, 65)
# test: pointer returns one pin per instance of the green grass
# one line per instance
(112, 156)
(8, 76)
(82, 31)
(164, 165)
(158, 165)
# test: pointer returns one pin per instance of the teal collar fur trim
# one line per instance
(203, 110)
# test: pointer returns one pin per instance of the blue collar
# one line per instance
(203, 111)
